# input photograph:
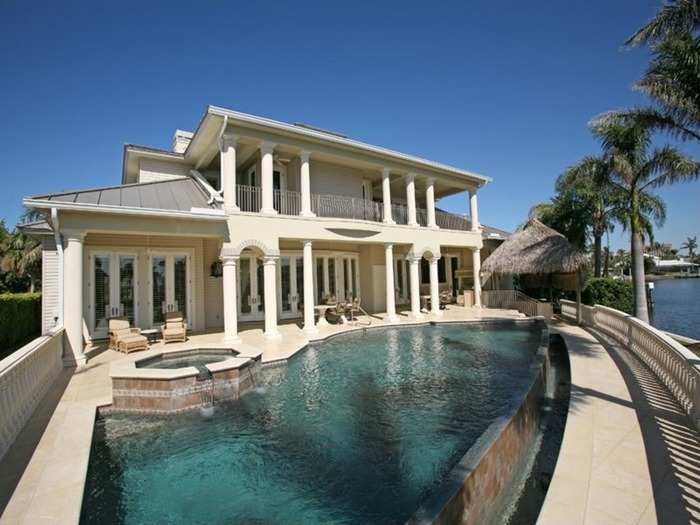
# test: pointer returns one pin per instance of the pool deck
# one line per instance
(629, 454)
(43, 474)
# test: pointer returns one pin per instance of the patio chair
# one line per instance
(335, 315)
(125, 339)
(445, 298)
(174, 328)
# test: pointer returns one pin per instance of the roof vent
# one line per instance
(321, 130)
(181, 140)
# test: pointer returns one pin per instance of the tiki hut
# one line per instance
(541, 256)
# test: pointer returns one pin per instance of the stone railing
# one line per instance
(516, 300)
(25, 377)
(677, 367)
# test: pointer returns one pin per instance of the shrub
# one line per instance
(609, 292)
(20, 319)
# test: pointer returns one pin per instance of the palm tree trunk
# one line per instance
(606, 266)
(597, 253)
(640, 293)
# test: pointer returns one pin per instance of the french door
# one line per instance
(113, 289)
(170, 282)
(251, 289)
(336, 276)
(290, 286)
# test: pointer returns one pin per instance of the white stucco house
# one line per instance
(252, 220)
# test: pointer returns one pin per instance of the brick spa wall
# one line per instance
(476, 486)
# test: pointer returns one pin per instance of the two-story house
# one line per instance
(247, 220)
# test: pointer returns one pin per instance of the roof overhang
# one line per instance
(194, 214)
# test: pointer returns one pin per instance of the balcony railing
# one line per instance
(249, 199)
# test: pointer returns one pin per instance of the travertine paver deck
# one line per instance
(43, 474)
(629, 454)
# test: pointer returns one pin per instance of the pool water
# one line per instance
(359, 429)
(196, 358)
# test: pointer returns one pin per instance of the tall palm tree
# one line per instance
(691, 244)
(604, 202)
(21, 256)
(677, 16)
(567, 213)
(635, 169)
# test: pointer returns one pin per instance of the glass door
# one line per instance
(290, 286)
(113, 290)
(251, 303)
(170, 286)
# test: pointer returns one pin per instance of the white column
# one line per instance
(411, 199)
(386, 196)
(230, 284)
(414, 267)
(270, 276)
(266, 178)
(430, 201)
(476, 268)
(390, 292)
(434, 286)
(228, 171)
(474, 211)
(305, 183)
(309, 325)
(73, 298)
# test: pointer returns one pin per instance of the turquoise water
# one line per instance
(197, 359)
(360, 429)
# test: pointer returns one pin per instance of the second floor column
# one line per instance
(309, 324)
(430, 201)
(270, 278)
(390, 291)
(230, 269)
(434, 286)
(476, 267)
(411, 199)
(228, 171)
(305, 183)
(267, 178)
(473, 210)
(386, 196)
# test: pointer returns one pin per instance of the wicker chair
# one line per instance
(125, 339)
(174, 328)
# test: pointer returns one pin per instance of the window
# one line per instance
(425, 271)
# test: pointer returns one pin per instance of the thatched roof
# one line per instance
(537, 250)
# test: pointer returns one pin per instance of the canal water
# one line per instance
(677, 306)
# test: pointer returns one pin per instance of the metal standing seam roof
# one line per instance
(180, 194)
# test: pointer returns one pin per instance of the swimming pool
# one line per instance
(359, 429)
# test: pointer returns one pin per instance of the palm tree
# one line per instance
(634, 171)
(21, 256)
(603, 201)
(691, 244)
(676, 17)
(567, 213)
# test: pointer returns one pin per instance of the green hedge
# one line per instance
(605, 291)
(20, 319)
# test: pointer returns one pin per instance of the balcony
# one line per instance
(249, 199)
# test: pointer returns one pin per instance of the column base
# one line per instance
(307, 214)
(414, 224)
(311, 330)
(268, 211)
(392, 318)
(433, 226)
(390, 221)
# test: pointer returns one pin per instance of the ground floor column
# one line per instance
(414, 269)
(309, 324)
(73, 299)
(476, 266)
(434, 286)
(270, 276)
(230, 269)
(390, 292)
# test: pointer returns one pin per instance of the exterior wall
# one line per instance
(213, 287)
(142, 246)
(49, 285)
(335, 179)
(151, 170)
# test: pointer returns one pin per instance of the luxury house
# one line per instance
(247, 220)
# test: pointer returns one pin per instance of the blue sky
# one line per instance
(501, 88)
